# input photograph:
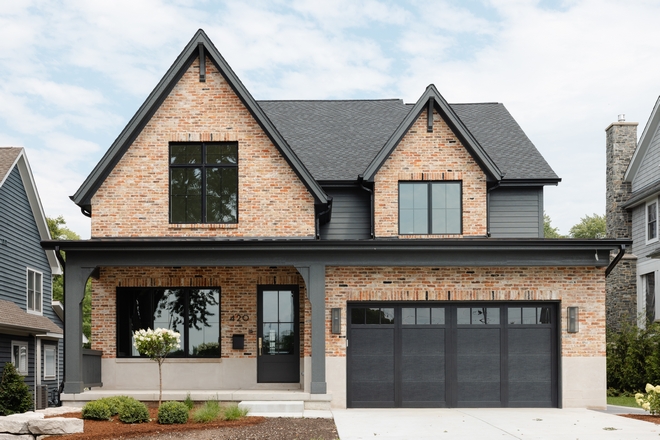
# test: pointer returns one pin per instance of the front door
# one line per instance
(278, 342)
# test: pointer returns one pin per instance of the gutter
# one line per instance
(614, 262)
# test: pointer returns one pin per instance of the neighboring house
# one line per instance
(641, 186)
(353, 253)
(30, 330)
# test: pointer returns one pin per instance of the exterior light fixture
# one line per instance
(573, 319)
(336, 321)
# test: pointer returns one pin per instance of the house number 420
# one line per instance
(238, 317)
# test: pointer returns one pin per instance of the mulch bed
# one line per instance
(644, 417)
(246, 428)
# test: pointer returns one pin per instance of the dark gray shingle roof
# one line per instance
(337, 140)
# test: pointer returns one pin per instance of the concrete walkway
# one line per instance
(485, 424)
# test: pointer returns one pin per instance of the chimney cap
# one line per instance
(622, 118)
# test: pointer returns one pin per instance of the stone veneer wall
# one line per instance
(133, 201)
(573, 286)
(621, 284)
(238, 295)
(438, 156)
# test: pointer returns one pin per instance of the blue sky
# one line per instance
(72, 73)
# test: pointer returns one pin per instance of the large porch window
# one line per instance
(193, 312)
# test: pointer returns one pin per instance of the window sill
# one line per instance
(211, 226)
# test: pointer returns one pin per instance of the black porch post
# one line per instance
(314, 277)
(75, 280)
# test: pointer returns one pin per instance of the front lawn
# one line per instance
(622, 401)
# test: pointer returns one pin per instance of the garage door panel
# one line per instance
(373, 341)
(373, 392)
(423, 341)
(529, 340)
(373, 368)
(478, 341)
(479, 392)
(531, 391)
(427, 391)
(422, 368)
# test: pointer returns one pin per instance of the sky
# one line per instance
(73, 72)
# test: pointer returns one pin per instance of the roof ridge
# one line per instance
(330, 100)
(475, 103)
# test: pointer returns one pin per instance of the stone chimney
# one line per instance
(621, 284)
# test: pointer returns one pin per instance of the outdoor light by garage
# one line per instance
(573, 320)
(336, 321)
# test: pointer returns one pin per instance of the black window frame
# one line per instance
(203, 166)
(429, 208)
(124, 347)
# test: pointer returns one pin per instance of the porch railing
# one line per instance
(92, 368)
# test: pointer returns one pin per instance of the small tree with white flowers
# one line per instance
(156, 345)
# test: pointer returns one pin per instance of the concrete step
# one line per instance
(273, 407)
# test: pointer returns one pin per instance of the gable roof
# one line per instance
(15, 318)
(83, 196)
(11, 157)
(454, 122)
(644, 143)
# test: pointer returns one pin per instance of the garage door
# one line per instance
(452, 355)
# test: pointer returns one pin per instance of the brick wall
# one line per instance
(133, 200)
(238, 296)
(573, 286)
(439, 155)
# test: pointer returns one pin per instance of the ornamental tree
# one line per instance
(156, 345)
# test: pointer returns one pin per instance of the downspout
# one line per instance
(614, 262)
(317, 223)
(371, 203)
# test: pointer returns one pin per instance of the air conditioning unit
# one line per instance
(42, 397)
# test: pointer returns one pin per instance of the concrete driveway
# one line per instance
(485, 424)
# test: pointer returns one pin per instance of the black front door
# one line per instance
(278, 342)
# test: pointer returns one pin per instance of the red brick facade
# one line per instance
(133, 200)
(439, 155)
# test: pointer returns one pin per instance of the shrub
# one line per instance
(233, 412)
(15, 396)
(650, 401)
(633, 358)
(133, 411)
(115, 403)
(208, 412)
(97, 410)
(172, 412)
(189, 402)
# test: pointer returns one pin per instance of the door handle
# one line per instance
(260, 342)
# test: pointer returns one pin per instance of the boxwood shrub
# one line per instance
(172, 412)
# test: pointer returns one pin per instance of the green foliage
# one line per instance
(208, 412)
(207, 349)
(172, 412)
(189, 402)
(233, 412)
(590, 226)
(622, 401)
(97, 410)
(15, 396)
(548, 230)
(633, 357)
(133, 411)
(115, 402)
(651, 400)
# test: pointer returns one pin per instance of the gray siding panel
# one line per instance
(516, 212)
(351, 215)
(647, 173)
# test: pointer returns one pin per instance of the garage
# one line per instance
(469, 354)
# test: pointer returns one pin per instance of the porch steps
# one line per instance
(274, 408)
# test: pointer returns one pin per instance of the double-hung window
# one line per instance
(50, 365)
(204, 182)
(19, 357)
(34, 291)
(652, 221)
(430, 208)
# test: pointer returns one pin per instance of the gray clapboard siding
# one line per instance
(649, 172)
(351, 215)
(516, 212)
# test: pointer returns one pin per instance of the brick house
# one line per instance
(345, 253)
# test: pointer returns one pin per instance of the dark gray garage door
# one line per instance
(452, 355)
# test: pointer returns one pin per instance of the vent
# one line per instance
(42, 397)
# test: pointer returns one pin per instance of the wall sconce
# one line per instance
(336, 321)
(573, 319)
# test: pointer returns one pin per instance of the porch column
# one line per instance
(75, 279)
(314, 276)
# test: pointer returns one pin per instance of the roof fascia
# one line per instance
(83, 196)
(37, 209)
(530, 182)
(455, 123)
(642, 195)
(643, 143)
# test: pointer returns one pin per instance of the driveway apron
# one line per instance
(490, 423)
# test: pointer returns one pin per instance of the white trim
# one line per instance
(34, 310)
(646, 220)
(47, 348)
(27, 357)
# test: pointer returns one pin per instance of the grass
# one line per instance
(207, 412)
(622, 401)
(233, 412)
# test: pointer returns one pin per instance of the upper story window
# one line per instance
(204, 182)
(430, 208)
(34, 291)
(652, 221)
